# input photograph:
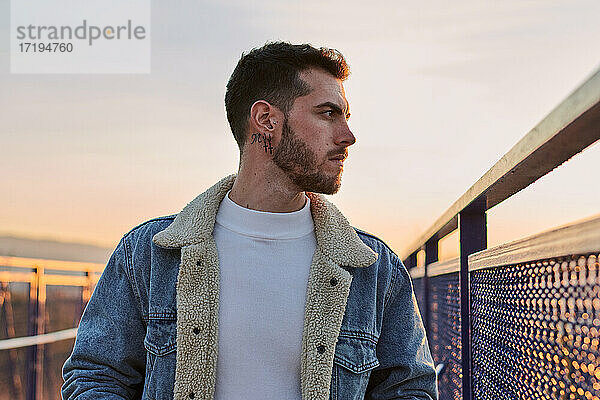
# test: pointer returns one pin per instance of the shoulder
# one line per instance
(141, 254)
(387, 259)
(137, 241)
(149, 228)
(378, 245)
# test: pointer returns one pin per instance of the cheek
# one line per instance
(316, 134)
(313, 124)
(318, 144)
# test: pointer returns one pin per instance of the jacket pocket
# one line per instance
(161, 337)
(161, 345)
(356, 354)
(353, 361)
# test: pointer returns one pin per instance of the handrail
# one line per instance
(59, 265)
(26, 341)
(436, 268)
(571, 127)
(50, 272)
(578, 237)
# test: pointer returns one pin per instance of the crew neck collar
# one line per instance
(263, 224)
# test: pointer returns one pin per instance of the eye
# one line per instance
(329, 113)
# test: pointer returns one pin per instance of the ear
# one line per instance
(263, 116)
(265, 119)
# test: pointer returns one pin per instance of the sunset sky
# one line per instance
(439, 91)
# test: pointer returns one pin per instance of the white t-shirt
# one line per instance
(264, 261)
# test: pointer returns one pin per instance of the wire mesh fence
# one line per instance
(534, 324)
(535, 329)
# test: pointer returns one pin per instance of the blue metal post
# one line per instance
(473, 238)
(412, 260)
(431, 256)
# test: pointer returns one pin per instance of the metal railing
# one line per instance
(38, 274)
(451, 294)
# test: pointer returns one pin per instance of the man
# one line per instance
(259, 288)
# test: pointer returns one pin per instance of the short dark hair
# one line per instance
(271, 73)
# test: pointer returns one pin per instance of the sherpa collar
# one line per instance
(338, 246)
(335, 237)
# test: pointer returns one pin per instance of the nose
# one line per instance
(345, 137)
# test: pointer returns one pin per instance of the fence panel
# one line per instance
(535, 330)
(445, 333)
(36, 297)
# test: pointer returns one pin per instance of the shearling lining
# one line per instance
(338, 246)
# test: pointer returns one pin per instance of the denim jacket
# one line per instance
(150, 329)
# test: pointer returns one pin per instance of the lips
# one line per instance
(339, 157)
(338, 160)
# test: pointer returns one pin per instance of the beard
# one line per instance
(299, 163)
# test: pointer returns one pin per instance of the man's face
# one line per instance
(315, 135)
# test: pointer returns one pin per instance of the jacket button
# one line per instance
(333, 281)
(191, 395)
(199, 263)
(196, 330)
(321, 349)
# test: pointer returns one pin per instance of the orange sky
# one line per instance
(438, 91)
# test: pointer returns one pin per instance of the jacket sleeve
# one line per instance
(406, 369)
(109, 359)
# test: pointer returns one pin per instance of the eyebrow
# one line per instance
(335, 107)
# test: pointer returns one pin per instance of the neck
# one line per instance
(266, 189)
